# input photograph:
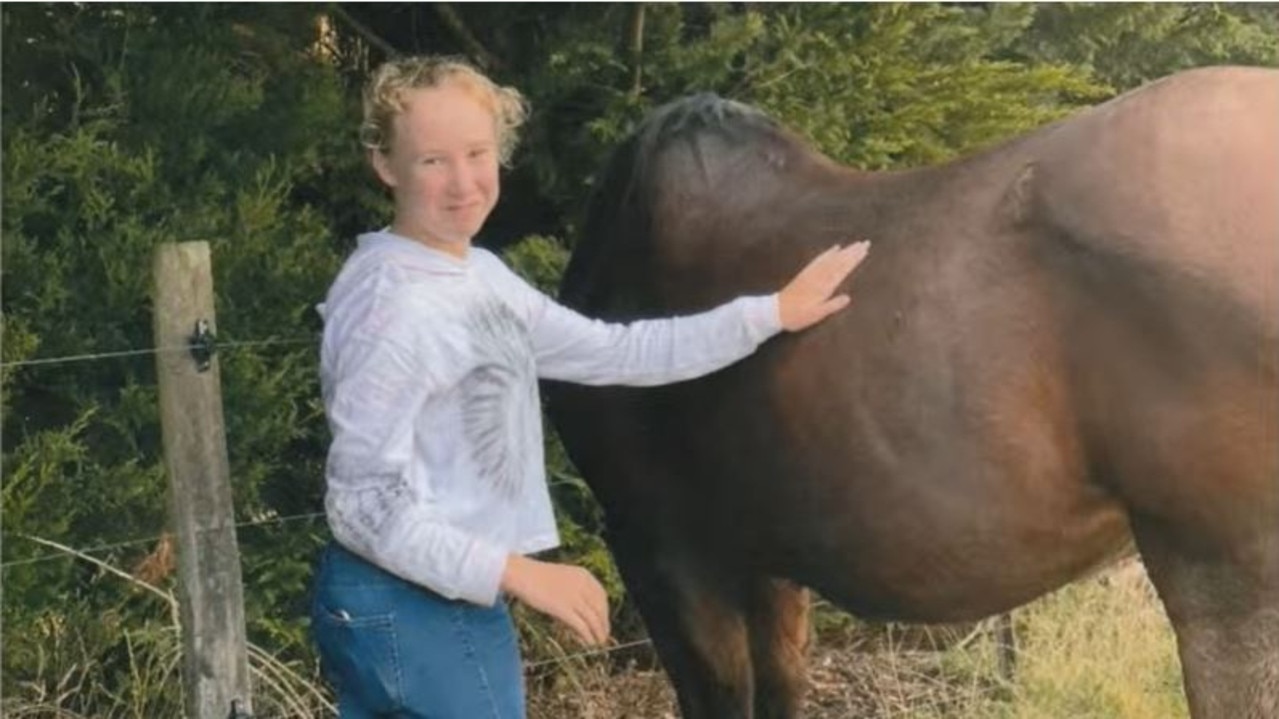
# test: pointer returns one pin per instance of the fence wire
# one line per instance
(152, 350)
(146, 540)
(589, 653)
(89, 357)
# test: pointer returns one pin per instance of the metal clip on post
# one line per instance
(203, 345)
(236, 711)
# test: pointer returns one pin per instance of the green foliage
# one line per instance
(1127, 44)
(886, 86)
(158, 126)
(539, 260)
(130, 125)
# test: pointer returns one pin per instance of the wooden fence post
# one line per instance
(215, 667)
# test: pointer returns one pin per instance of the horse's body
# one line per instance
(1055, 347)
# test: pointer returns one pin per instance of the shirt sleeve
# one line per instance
(571, 347)
(378, 382)
(568, 346)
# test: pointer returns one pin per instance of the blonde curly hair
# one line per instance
(384, 98)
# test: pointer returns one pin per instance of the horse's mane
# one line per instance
(703, 111)
(691, 119)
(714, 131)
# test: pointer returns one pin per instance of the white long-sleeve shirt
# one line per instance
(429, 369)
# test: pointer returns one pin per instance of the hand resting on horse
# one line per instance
(807, 299)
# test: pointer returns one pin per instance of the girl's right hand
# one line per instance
(809, 298)
(567, 593)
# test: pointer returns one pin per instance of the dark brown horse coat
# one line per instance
(1055, 347)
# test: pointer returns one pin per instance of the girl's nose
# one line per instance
(461, 179)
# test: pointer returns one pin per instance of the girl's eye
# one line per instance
(431, 161)
(479, 152)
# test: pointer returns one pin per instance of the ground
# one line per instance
(880, 672)
(1100, 648)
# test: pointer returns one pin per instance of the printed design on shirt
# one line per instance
(362, 512)
(499, 395)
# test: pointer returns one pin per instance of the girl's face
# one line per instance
(442, 167)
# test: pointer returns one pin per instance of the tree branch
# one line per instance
(451, 19)
(364, 31)
(635, 47)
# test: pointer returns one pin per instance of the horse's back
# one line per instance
(1180, 176)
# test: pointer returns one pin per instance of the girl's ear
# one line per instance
(382, 166)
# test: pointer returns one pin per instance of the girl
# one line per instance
(429, 365)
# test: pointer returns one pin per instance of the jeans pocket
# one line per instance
(360, 656)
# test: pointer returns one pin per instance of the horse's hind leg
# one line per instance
(1224, 606)
(778, 629)
(698, 626)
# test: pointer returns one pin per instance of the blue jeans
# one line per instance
(394, 649)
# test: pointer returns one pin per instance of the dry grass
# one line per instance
(1100, 649)
(70, 680)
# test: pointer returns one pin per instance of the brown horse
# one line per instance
(1056, 347)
